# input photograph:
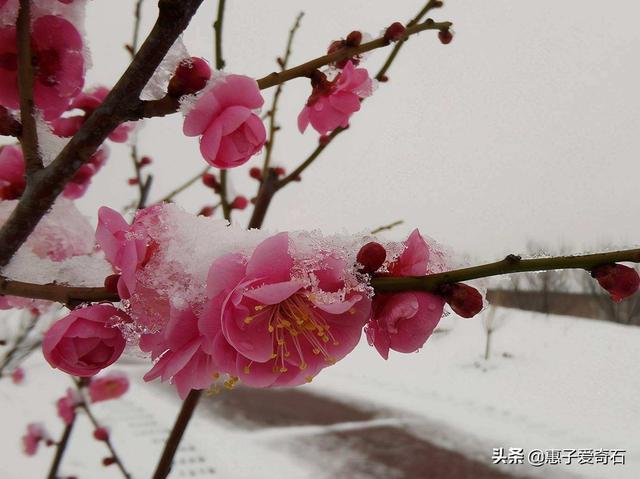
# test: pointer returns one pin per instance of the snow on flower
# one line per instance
(85, 341)
(332, 103)
(223, 117)
(404, 321)
(108, 386)
(58, 61)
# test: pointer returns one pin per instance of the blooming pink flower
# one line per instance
(180, 352)
(35, 433)
(109, 386)
(58, 65)
(332, 103)
(283, 331)
(12, 182)
(222, 116)
(67, 406)
(404, 321)
(88, 101)
(17, 375)
(85, 341)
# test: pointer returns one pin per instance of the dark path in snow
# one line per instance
(374, 451)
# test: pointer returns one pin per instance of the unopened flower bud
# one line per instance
(132, 181)
(190, 77)
(395, 32)
(239, 203)
(255, 173)
(107, 461)
(280, 171)
(371, 256)
(207, 211)
(101, 434)
(445, 36)
(145, 160)
(353, 39)
(210, 180)
(464, 300)
(618, 280)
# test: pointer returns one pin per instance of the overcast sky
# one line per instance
(526, 127)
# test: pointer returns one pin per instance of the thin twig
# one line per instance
(29, 136)
(387, 227)
(55, 292)
(273, 127)
(183, 186)
(173, 441)
(60, 449)
(19, 342)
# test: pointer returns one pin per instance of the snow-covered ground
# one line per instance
(552, 382)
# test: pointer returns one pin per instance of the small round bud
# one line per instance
(334, 47)
(395, 32)
(239, 203)
(84, 174)
(132, 181)
(280, 171)
(464, 300)
(145, 160)
(207, 211)
(190, 77)
(383, 79)
(107, 461)
(353, 39)
(210, 180)
(255, 173)
(111, 283)
(371, 256)
(101, 434)
(618, 280)
(445, 36)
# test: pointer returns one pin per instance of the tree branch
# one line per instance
(29, 134)
(173, 441)
(217, 26)
(511, 264)
(184, 186)
(56, 292)
(119, 106)
(60, 449)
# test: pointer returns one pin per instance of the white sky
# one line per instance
(526, 127)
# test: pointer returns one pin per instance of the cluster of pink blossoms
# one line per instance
(273, 313)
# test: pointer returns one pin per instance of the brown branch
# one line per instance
(167, 105)
(268, 188)
(511, 264)
(118, 107)
(173, 441)
(379, 229)
(217, 27)
(56, 292)
(29, 136)
(60, 450)
(224, 199)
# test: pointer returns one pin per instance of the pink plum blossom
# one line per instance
(109, 386)
(87, 102)
(230, 132)
(280, 330)
(17, 375)
(58, 62)
(35, 433)
(12, 182)
(80, 182)
(332, 103)
(85, 341)
(67, 404)
(404, 321)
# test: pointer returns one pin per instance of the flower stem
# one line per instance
(60, 450)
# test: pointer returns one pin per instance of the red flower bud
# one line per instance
(132, 181)
(210, 180)
(618, 280)
(445, 36)
(465, 300)
(207, 211)
(107, 461)
(111, 283)
(395, 32)
(101, 434)
(335, 46)
(280, 171)
(239, 203)
(371, 256)
(255, 173)
(84, 174)
(353, 39)
(383, 79)
(145, 160)
(190, 77)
